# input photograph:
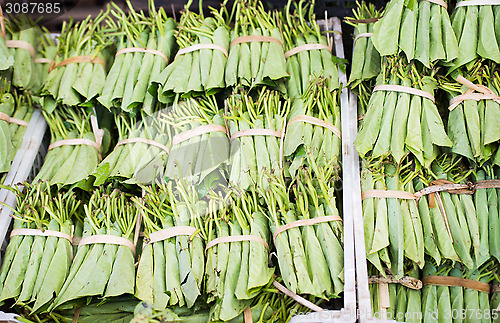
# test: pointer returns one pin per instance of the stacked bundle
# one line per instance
(420, 29)
(172, 264)
(309, 53)
(256, 127)
(39, 254)
(200, 63)
(79, 70)
(145, 47)
(74, 151)
(256, 55)
(141, 146)
(200, 145)
(104, 263)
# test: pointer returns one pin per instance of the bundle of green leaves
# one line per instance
(79, 70)
(171, 271)
(257, 153)
(308, 64)
(366, 61)
(310, 256)
(144, 48)
(420, 29)
(142, 147)
(102, 269)
(319, 137)
(400, 122)
(260, 61)
(36, 266)
(237, 272)
(70, 163)
(197, 71)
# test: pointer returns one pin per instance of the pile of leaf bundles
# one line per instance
(473, 123)
(393, 227)
(405, 302)
(69, 164)
(134, 68)
(79, 70)
(455, 228)
(35, 266)
(135, 161)
(307, 64)
(399, 122)
(102, 269)
(17, 106)
(302, 137)
(237, 272)
(487, 201)
(23, 73)
(255, 154)
(171, 271)
(365, 59)
(477, 31)
(199, 71)
(310, 257)
(256, 62)
(420, 29)
(196, 155)
(468, 304)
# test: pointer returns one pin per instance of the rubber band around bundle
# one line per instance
(256, 132)
(482, 93)
(199, 47)
(247, 315)
(79, 59)
(144, 141)
(305, 222)
(305, 47)
(171, 233)
(74, 142)
(366, 35)
(44, 233)
(488, 183)
(406, 281)
(142, 50)
(297, 298)
(22, 45)
(405, 89)
(387, 194)
(43, 60)
(478, 3)
(107, 239)
(456, 281)
(440, 3)
(6, 118)
(248, 39)
(183, 136)
(240, 238)
(450, 188)
(317, 122)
